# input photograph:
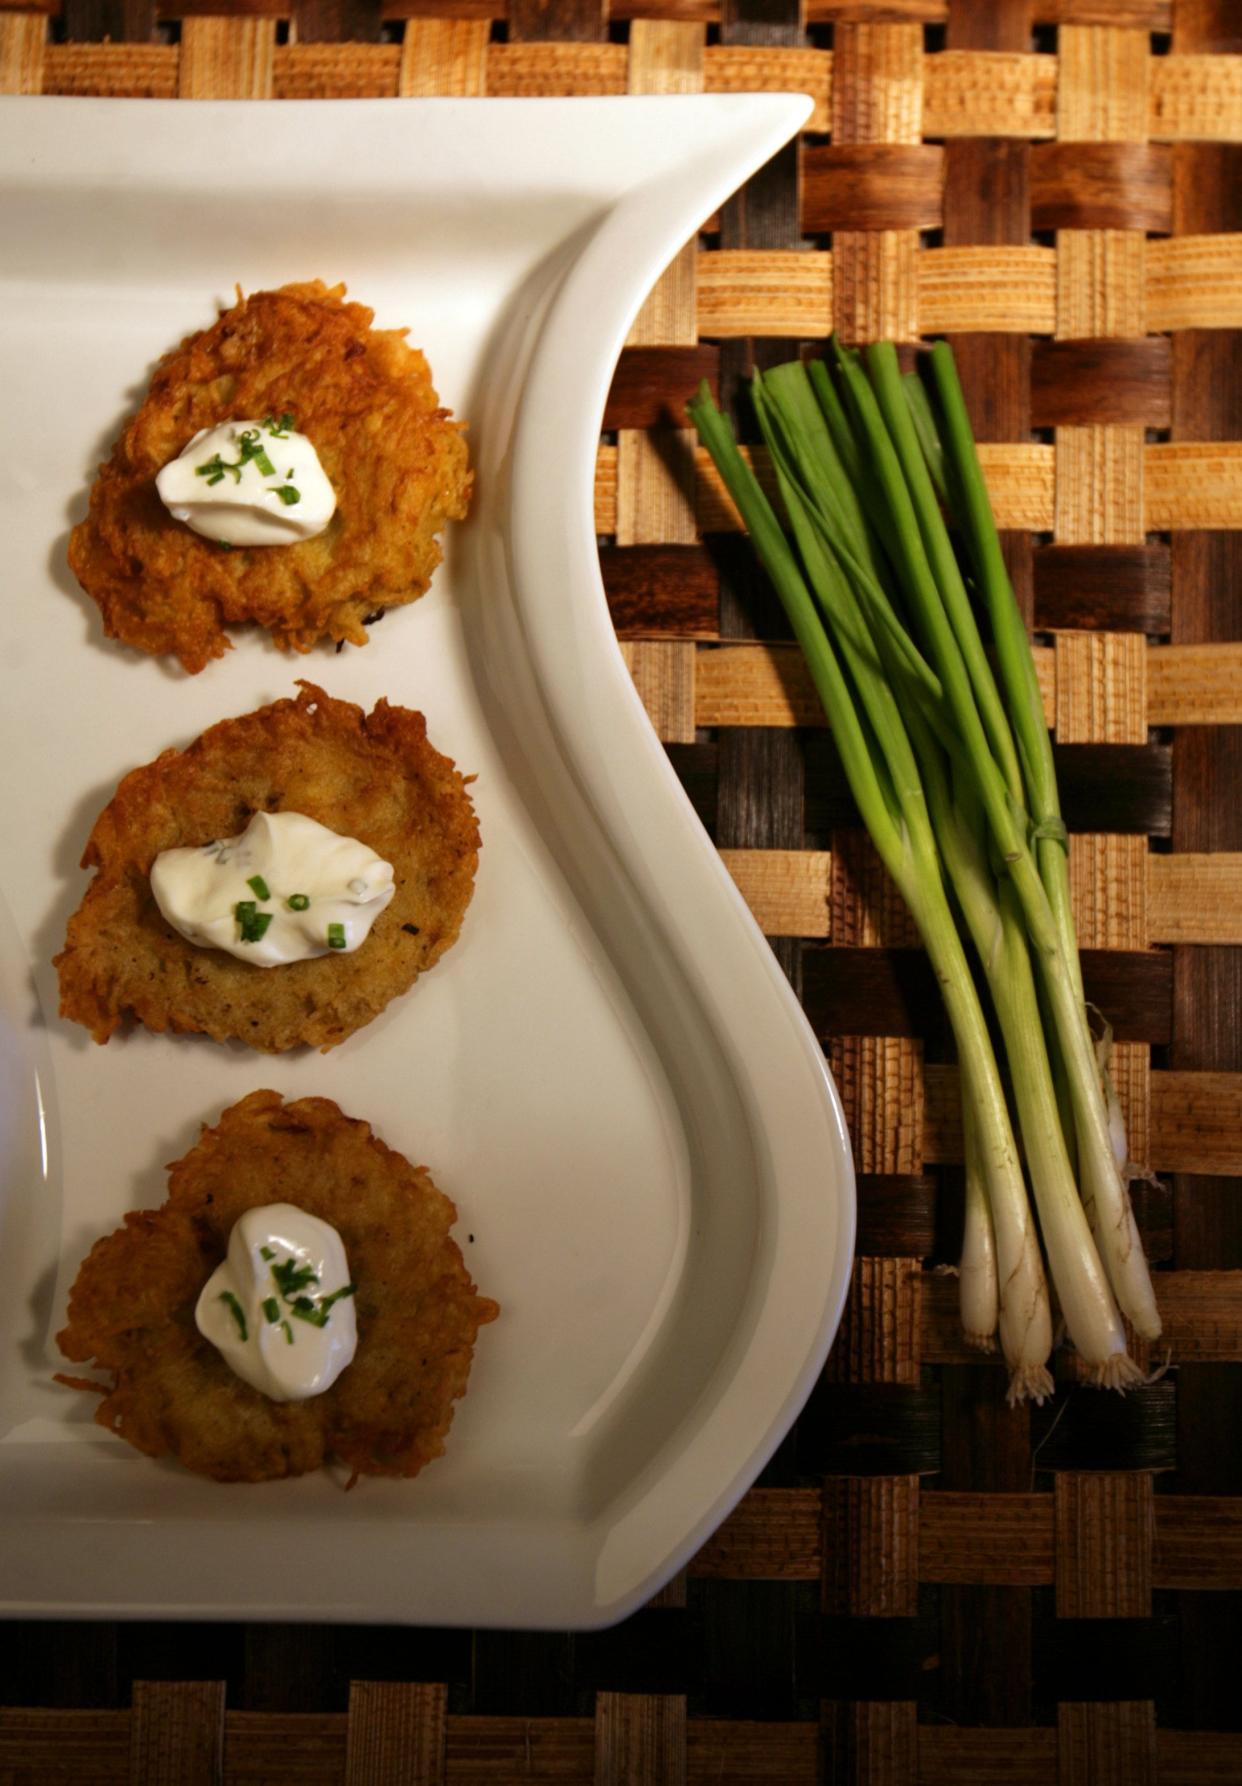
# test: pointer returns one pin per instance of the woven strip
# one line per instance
(311, 1749)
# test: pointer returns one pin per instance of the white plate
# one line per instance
(608, 1073)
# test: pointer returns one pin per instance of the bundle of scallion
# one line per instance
(951, 767)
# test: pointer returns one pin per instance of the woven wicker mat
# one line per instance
(925, 1587)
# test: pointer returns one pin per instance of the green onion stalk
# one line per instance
(884, 779)
(956, 786)
(1090, 1311)
(938, 597)
(1104, 1187)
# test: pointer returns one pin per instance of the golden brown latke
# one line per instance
(364, 398)
(373, 777)
(131, 1309)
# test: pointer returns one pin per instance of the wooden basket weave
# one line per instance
(926, 1587)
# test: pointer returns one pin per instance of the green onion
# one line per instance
(316, 1314)
(258, 886)
(287, 494)
(884, 780)
(291, 1278)
(236, 1310)
(1104, 1189)
(271, 1308)
(298, 902)
(288, 1332)
(266, 1252)
(251, 922)
(951, 768)
(250, 451)
(336, 936)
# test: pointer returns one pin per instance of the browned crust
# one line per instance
(131, 1309)
(397, 462)
(374, 777)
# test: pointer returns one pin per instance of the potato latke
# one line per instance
(131, 1309)
(374, 777)
(396, 461)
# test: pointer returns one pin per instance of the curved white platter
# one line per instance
(608, 1073)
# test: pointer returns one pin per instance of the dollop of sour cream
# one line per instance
(288, 889)
(249, 484)
(280, 1308)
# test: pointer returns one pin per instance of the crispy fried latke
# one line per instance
(373, 777)
(131, 1309)
(397, 463)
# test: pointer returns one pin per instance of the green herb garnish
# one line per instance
(249, 451)
(258, 886)
(279, 430)
(336, 936)
(267, 1252)
(291, 1278)
(288, 495)
(251, 922)
(288, 1333)
(252, 448)
(271, 1308)
(305, 1309)
(298, 902)
(236, 1310)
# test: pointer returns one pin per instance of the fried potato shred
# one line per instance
(396, 460)
(374, 777)
(170, 1392)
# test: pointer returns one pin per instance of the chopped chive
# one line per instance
(235, 1309)
(267, 1252)
(288, 1332)
(258, 886)
(336, 936)
(225, 545)
(213, 469)
(337, 1296)
(310, 1314)
(251, 922)
(279, 430)
(250, 450)
(298, 902)
(286, 492)
(291, 1278)
(271, 1308)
